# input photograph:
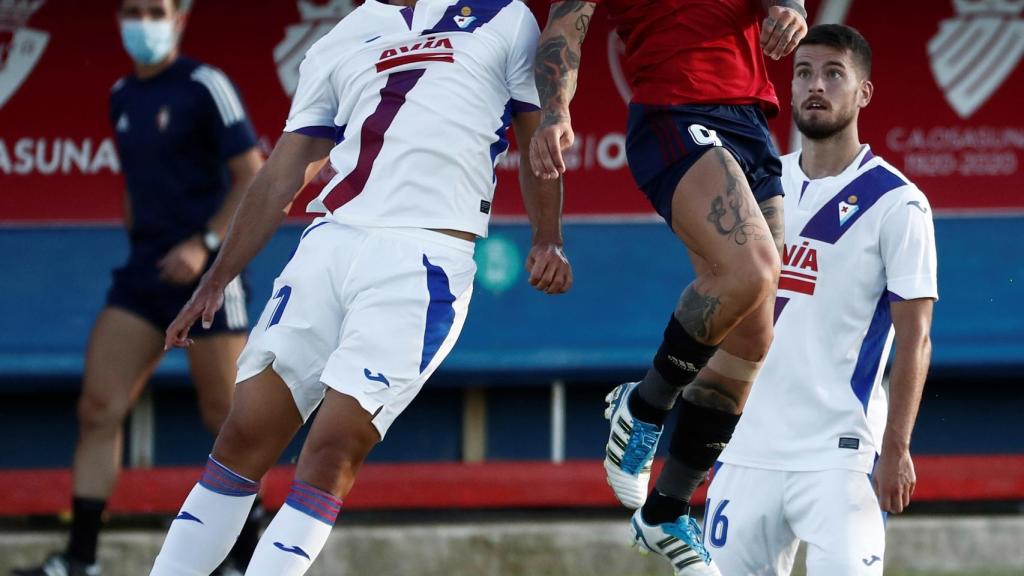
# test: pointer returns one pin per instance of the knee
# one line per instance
(758, 277)
(333, 464)
(236, 445)
(98, 411)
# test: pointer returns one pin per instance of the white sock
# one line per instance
(208, 524)
(297, 534)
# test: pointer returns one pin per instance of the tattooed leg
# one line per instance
(731, 244)
(694, 312)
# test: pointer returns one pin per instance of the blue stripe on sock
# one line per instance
(313, 502)
(220, 479)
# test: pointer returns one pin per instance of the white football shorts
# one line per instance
(756, 518)
(369, 312)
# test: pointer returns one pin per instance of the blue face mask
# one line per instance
(148, 41)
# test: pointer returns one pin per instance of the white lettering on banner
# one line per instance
(41, 156)
(956, 150)
(955, 138)
(963, 164)
(611, 151)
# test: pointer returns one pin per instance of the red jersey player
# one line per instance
(699, 148)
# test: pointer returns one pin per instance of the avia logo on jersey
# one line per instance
(430, 50)
(20, 47)
(975, 52)
(799, 268)
(318, 18)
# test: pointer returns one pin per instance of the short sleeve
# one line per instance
(521, 83)
(908, 249)
(231, 129)
(315, 104)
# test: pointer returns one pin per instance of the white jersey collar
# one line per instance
(863, 157)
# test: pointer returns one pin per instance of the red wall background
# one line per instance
(932, 57)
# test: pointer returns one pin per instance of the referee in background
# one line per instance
(188, 153)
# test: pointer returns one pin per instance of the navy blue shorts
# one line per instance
(138, 289)
(663, 142)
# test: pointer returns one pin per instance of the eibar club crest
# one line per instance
(975, 51)
(318, 17)
(847, 209)
(465, 17)
(20, 47)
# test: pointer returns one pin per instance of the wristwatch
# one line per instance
(211, 240)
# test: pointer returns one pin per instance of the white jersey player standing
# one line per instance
(412, 101)
(822, 450)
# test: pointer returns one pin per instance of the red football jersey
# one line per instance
(693, 51)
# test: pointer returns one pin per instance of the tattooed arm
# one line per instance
(784, 27)
(556, 69)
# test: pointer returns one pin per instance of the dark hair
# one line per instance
(841, 37)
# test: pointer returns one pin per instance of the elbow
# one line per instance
(926, 346)
(917, 345)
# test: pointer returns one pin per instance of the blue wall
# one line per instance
(628, 277)
(515, 342)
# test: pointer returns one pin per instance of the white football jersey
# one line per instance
(418, 101)
(854, 243)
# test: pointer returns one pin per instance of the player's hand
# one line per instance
(204, 303)
(894, 480)
(550, 271)
(781, 31)
(546, 147)
(185, 262)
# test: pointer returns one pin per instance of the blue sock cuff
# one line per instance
(314, 502)
(220, 479)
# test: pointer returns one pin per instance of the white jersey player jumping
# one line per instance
(412, 101)
(822, 450)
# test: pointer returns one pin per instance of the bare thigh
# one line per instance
(749, 340)
(122, 352)
(212, 363)
(714, 213)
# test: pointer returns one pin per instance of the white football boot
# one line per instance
(679, 542)
(630, 449)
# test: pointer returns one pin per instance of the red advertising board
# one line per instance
(947, 74)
